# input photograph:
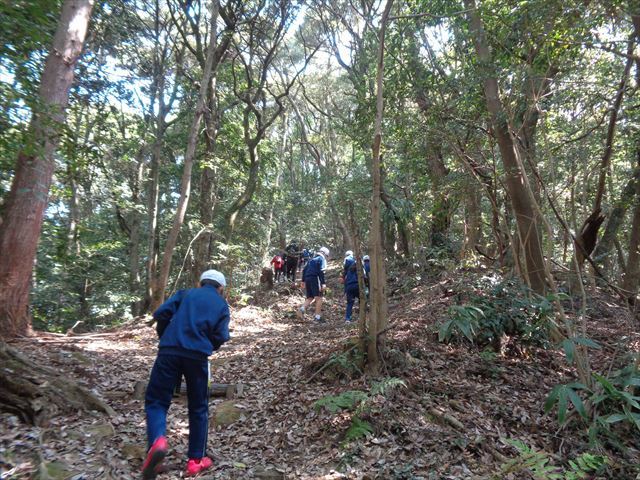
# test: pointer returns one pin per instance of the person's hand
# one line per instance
(341, 280)
(323, 288)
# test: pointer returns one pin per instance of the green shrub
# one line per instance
(494, 310)
(612, 401)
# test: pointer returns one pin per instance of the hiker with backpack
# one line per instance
(315, 284)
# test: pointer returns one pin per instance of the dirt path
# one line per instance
(450, 422)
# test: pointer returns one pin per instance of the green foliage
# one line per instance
(346, 363)
(386, 385)
(464, 320)
(497, 309)
(358, 429)
(569, 346)
(348, 400)
(360, 403)
(539, 465)
(612, 402)
(561, 395)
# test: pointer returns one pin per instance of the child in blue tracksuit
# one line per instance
(314, 282)
(367, 269)
(192, 324)
(350, 279)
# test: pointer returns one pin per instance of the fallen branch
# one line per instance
(450, 419)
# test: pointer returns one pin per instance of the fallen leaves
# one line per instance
(448, 423)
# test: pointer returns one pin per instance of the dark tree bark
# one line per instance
(29, 193)
(616, 218)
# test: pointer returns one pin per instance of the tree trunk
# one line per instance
(378, 294)
(29, 193)
(472, 222)
(401, 224)
(246, 196)
(203, 246)
(517, 182)
(185, 183)
(632, 273)
(587, 238)
(153, 248)
(266, 257)
(73, 245)
(362, 296)
(134, 237)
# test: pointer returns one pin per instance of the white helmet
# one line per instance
(214, 275)
(324, 251)
(348, 253)
(365, 258)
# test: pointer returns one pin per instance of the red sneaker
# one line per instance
(156, 454)
(197, 465)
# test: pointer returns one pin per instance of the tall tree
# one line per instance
(29, 194)
(379, 309)
(517, 182)
(185, 185)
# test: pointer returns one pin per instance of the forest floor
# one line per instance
(453, 419)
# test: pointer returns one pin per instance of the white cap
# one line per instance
(214, 275)
(365, 258)
(324, 251)
(348, 253)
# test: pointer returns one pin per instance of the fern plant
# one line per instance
(539, 465)
(358, 402)
(348, 400)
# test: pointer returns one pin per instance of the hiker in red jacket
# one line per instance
(278, 266)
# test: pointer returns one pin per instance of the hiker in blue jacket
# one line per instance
(192, 324)
(350, 280)
(314, 283)
(366, 262)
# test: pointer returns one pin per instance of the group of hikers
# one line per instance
(289, 261)
(194, 323)
(313, 267)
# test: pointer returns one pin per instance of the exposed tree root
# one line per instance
(35, 392)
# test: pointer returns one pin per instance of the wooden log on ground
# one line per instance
(217, 390)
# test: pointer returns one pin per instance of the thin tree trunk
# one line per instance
(276, 186)
(246, 196)
(379, 309)
(472, 222)
(185, 183)
(588, 236)
(134, 237)
(632, 274)
(29, 193)
(73, 245)
(153, 247)
(517, 183)
(202, 248)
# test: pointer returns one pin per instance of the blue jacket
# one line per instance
(315, 269)
(367, 269)
(350, 274)
(193, 323)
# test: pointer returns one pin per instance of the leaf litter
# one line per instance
(452, 421)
